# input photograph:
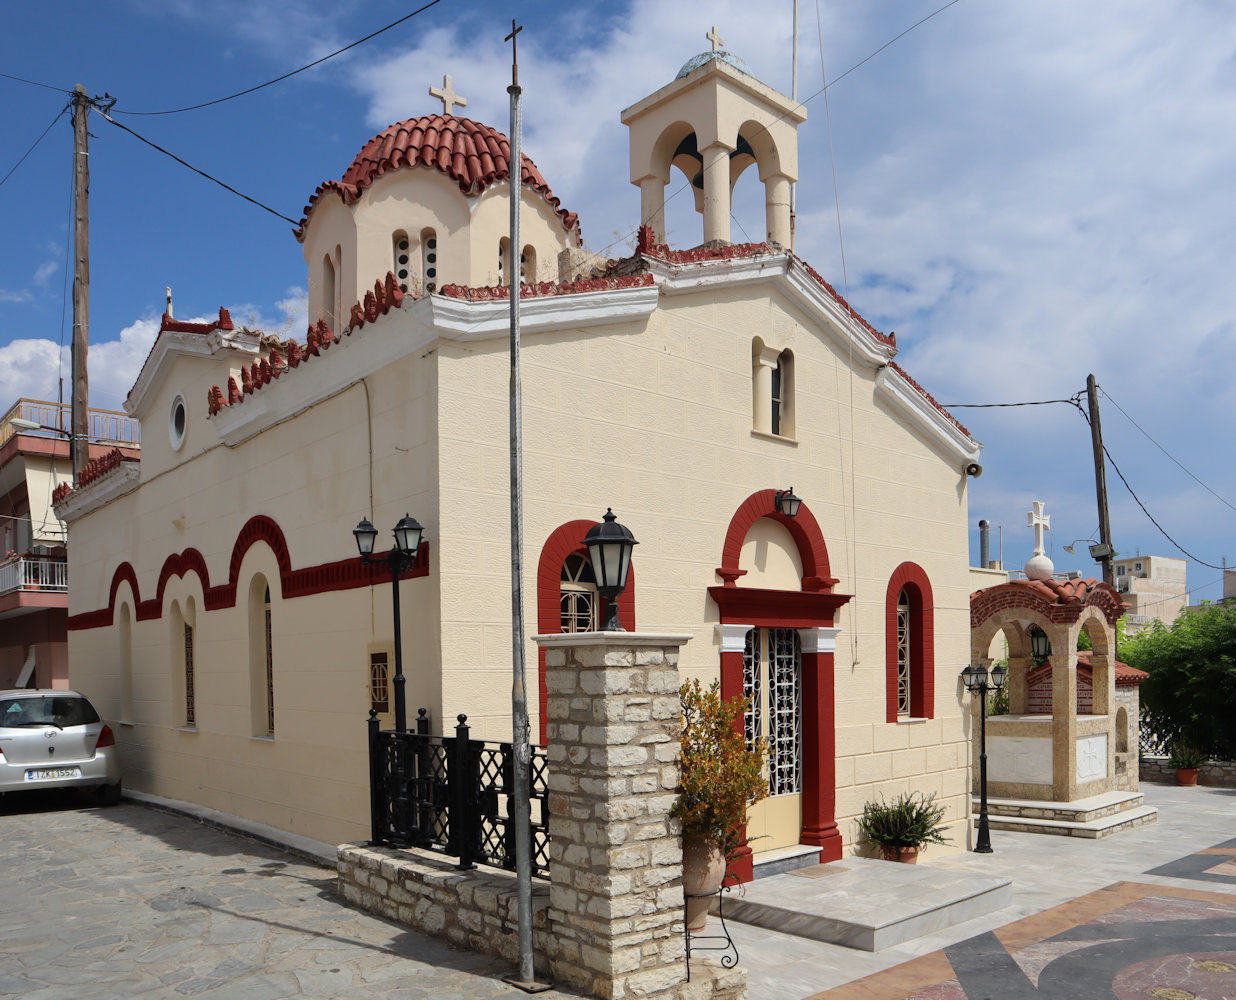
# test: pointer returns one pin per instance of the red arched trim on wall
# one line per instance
(803, 528)
(911, 578)
(344, 574)
(565, 540)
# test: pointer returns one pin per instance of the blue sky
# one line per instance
(1029, 191)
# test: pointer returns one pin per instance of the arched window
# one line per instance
(429, 260)
(782, 396)
(527, 266)
(181, 644)
(125, 636)
(577, 595)
(1122, 731)
(401, 251)
(504, 256)
(261, 660)
(329, 291)
(909, 645)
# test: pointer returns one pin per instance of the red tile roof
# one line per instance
(470, 153)
(1126, 676)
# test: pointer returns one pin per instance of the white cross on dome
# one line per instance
(446, 94)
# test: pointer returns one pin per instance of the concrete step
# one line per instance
(1078, 811)
(864, 903)
(786, 859)
(1104, 826)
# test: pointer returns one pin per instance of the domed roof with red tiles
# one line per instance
(472, 154)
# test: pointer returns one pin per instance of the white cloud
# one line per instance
(8, 296)
(44, 272)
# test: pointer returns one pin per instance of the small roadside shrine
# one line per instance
(1063, 759)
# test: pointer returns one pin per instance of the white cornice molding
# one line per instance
(168, 344)
(423, 321)
(892, 386)
(125, 478)
(821, 639)
(781, 269)
(732, 637)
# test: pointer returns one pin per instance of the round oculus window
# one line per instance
(177, 422)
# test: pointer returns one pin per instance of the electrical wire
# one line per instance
(59, 115)
(1165, 451)
(285, 76)
(1133, 494)
(35, 83)
(203, 173)
(764, 128)
(980, 406)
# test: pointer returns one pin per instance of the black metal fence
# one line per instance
(452, 794)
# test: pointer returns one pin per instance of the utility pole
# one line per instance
(79, 442)
(1100, 479)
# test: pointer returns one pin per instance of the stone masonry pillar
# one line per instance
(612, 723)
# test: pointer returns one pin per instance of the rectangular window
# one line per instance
(379, 683)
(1120, 570)
(190, 713)
(776, 398)
(578, 610)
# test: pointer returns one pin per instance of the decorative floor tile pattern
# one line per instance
(1129, 941)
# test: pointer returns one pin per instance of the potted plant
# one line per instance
(902, 828)
(1186, 759)
(720, 776)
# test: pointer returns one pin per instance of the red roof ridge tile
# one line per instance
(929, 397)
(472, 154)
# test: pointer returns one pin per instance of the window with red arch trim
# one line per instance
(564, 541)
(910, 579)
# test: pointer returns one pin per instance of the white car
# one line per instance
(55, 739)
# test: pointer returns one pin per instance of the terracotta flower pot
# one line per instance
(906, 855)
(703, 870)
(1186, 776)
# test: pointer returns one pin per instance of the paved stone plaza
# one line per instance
(133, 901)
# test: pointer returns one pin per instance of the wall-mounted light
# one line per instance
(787, 503)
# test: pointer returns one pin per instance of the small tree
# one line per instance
(721, 775)
(1190, 696)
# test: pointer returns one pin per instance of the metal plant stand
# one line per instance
(729, 949)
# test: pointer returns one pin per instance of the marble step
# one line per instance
(1104, 826)
(864, 903)
(1078, 811)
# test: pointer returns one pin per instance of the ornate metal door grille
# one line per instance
(772, 680)
(903, 654)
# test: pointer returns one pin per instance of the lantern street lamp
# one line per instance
(609, 547)
(976, 682)
(785, 502)
(400, 558)
(1040, 645)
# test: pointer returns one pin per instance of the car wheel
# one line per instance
(109, 795)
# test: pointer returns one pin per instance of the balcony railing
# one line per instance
(55, 420)
(34, 573)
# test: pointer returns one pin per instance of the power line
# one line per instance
(980, 406)
(1134, 495)
(59, 115)
(279, 79)
(35, 83)
(806, 100)
(1166, 452)
(226, 187)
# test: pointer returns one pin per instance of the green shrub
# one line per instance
(910, 820)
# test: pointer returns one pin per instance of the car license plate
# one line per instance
(53, 773)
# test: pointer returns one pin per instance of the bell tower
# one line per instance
(712, 122)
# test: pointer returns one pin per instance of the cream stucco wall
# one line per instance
(649, 411)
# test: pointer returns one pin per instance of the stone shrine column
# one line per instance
(777, 209)
(616, 902)
(717, 192)
(1063, 721)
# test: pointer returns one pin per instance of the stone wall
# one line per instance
(1221, 773)
(610, 922)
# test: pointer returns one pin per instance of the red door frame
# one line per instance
(815, 606)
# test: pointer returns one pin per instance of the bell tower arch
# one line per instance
(713, 122)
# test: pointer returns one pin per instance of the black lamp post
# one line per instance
(975, 679)
(609, 547)
(401, 556)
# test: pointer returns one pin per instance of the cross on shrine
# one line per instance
(446, 94)
(715, 37)
(1040, 522)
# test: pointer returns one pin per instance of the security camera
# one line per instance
(974, 469)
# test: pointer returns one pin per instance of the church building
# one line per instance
(220, 613)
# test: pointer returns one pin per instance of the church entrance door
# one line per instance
(772, 680)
